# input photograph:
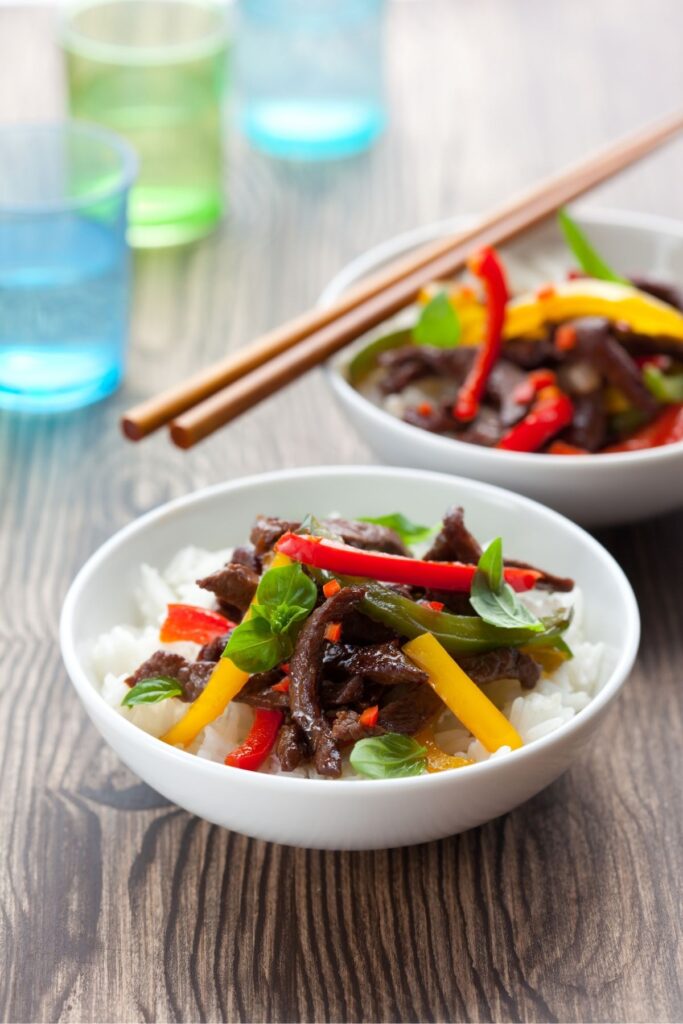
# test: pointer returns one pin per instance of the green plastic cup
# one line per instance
(154, 71)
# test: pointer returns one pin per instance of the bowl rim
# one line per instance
(93, 699)
(402, 243)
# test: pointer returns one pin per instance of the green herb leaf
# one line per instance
(255, 647)
(286, 595)
(365, 360)
(493, 599)
(392, 756)
(586, 256)
(439, 324)
(667, 388)
(409, 532)
(152, 691)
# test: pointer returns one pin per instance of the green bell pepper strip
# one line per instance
(459, 634)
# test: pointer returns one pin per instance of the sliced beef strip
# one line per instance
(258, 691)
(305, 669)
(589, 424)
(246, 555)
(595, 343)
(333, 694)
(381, 663)
(504, 663)
(191, 676)
(214, 649)
(266, 532)
(531, 353)
(360, 630)
(291, 748)
(367, 536)
(505, 377)
(454, 542)
(662, 290)
(234, 585)
(410, 713)
(196, 677)
(409, 363)
(347, 728)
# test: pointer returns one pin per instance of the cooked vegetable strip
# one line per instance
(459, 634)
(225, 683)
(551, 412)
(488, 267)
(261, 739)
(461, 695)
(569, 300)
(374, 565)
(188, 622)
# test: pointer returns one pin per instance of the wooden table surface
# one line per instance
(114, 904)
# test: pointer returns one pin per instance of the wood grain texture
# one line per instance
(115, 905)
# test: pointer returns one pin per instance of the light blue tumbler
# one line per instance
(309, 76)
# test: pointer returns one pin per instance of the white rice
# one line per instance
(556, 698)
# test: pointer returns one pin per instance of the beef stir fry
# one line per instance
(588, 365)
(344, 643)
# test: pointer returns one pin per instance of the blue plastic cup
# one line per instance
(64, 264)
(309, 76)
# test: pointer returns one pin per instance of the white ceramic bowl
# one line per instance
(589, 489)
(345, 814)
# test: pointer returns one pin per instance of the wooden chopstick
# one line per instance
(218, 394)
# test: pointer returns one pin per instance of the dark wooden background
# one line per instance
(115, 905)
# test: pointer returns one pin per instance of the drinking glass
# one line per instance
(64, 276)
(154, 71)
(310, 75)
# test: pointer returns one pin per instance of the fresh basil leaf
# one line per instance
(284, 616)
(366, 359)
(287, 587)
(667, 388)
(409, 532)
(493, 599)
(586, 256)
(254, 647)
(392, 756)
(152, 691)
(439, 324)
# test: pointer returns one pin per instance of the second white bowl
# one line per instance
(592, 490)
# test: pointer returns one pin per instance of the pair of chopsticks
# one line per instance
(213, 397)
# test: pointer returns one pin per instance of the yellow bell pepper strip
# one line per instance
(225, 682)
(568, 300)
(461, 695)
(437, 759)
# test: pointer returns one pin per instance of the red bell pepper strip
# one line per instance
(551, 412)
(187, 622)
(252, 753)
(375, 565)
(667, 428)
(487, 266)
